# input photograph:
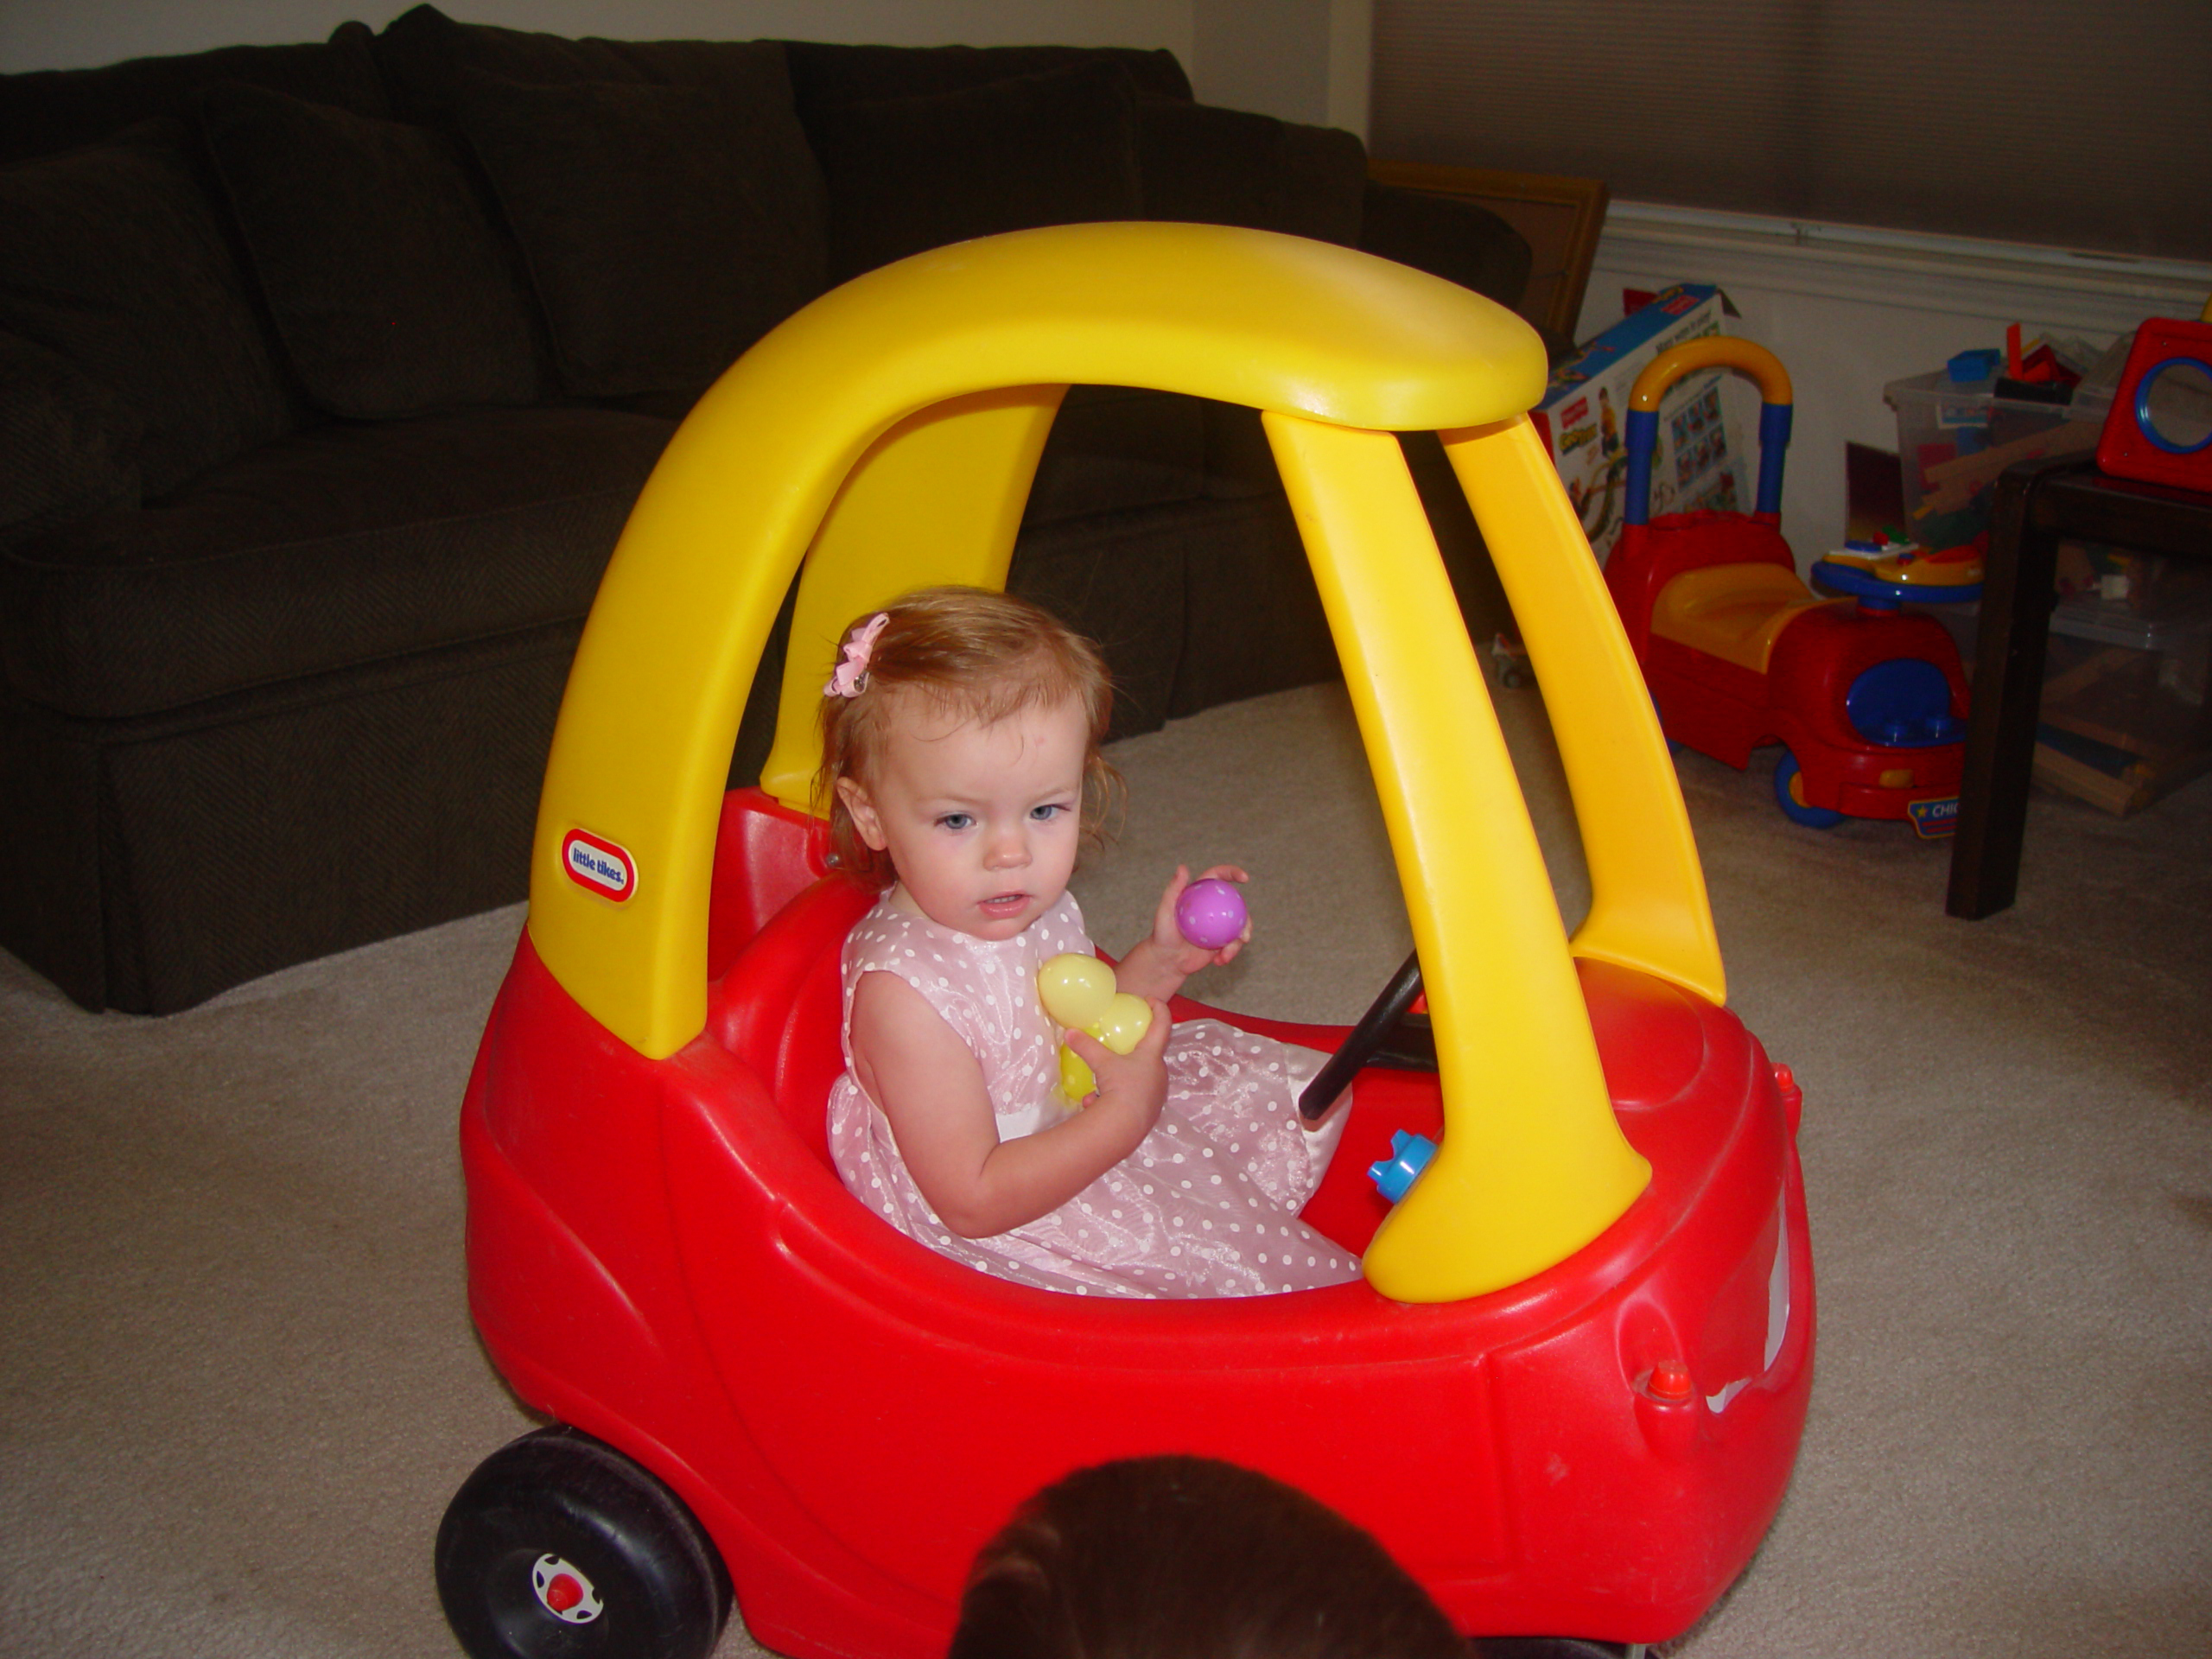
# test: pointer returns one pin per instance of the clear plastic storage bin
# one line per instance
(2126, 715)
(1954, 438)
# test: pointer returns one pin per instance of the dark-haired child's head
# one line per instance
(1186, 1558)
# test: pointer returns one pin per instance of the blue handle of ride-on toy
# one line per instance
(1643, 439)
(1774, 446)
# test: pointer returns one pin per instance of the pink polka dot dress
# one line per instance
(1208, 1203)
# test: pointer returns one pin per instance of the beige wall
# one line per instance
(1301, 59)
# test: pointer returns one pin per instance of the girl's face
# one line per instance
(982, 823)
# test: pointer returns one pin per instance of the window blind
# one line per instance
(2050, 122)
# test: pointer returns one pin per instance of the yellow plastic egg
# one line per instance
(1077, 1082)
(1124, 1023)
(1076, 989)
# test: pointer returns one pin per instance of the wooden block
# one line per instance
(2118, 795)
(1954, 483)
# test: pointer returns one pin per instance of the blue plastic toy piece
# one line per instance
(1905, 703)
(1981, 364)
(1873, 592)
(1788, 795)
(1409, 1155)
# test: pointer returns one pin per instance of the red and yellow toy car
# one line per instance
(1869, 702)
(1568, 1395)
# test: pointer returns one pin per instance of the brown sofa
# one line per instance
(329, 373)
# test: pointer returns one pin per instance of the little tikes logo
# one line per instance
(598, 866)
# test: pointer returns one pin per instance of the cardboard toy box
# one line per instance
(1700, 462)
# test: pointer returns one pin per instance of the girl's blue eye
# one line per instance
(955, 820)
(1050, 811)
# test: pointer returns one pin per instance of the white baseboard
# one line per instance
(2095, 294)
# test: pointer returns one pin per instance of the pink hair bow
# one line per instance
(850, 677)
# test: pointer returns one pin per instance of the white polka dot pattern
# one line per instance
(1172, 1219)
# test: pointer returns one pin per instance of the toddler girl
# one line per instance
(961, 772)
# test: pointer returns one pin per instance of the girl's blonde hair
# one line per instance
(974, 655)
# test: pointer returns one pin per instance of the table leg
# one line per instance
(2017, 596)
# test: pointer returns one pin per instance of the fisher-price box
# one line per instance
(1700, 461)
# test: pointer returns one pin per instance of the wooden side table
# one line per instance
(2039, 504)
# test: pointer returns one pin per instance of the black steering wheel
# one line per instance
(1386, 1035)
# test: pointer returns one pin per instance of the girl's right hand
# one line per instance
(1132, 1087)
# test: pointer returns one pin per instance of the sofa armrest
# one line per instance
(1560, 219)
(1457, 240)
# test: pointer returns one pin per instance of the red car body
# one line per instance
(1576, 1409)
(660, 1254)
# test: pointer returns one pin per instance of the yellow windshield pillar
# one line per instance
(936, 499)
(1533, 1165)
(1647, 904)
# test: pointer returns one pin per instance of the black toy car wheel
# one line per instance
(558, 1547)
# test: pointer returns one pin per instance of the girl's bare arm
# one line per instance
(1158, 964)
(930, 1085)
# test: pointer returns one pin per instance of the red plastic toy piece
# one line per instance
(2142, 438)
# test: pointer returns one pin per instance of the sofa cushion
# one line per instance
(427, 58)
(1460, 241)
(775, 237)
(1115, 447)
(389, 289)
(1252, 616)
(50, 110)
(1210, 166)
(344, 544)
(828, 74)
(665, 228)
(1230, 167)
(1325, 184)
(67, 445)
(113, 259)
(178, 854)
(909, 174)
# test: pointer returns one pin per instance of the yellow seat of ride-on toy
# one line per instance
(1734, 611)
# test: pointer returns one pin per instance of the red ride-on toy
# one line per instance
(1567, 1394)
(1868, 703)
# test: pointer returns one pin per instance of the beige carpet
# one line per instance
(238, 1383)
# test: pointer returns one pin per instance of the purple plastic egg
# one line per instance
(1211, 913)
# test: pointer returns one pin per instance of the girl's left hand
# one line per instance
(1167, 938)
